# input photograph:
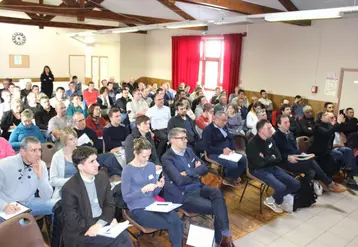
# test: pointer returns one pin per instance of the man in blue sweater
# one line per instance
(286, 143)
(217, 141)
(182, 171)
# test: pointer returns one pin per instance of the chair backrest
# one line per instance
(273, 118)
(303, 143)
(48, 150)
(126, 216)
(21, 230)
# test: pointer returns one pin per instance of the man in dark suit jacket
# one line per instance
(88, 204)
(217, 140)
(182, 120)
(182, 171)
(79, 122)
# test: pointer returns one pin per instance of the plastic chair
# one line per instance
(263, 186)
(16, 234)
(303, 143)
(142, 230)
(48, 150)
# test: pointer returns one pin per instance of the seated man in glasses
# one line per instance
(182, 171)
(21, 176)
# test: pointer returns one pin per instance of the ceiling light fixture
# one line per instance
(126, 30)
(304, 15)
(185, 24)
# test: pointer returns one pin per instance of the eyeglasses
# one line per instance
(183, 138)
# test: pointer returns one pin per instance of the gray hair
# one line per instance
(175, 131)
(26, 115)
(307, 108)
(27, 141)
(219, 114)
(75, 115)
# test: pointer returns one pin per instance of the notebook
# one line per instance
(235, 157)
(112, 231)
(162, 207)
(23, 209)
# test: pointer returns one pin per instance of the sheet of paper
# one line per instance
(162, 207)
(113, 231)
(200, 236)
(113, 184)
(23, 209)
(84, 139)
(232, 157)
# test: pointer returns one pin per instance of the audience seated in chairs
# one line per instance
(114, 133)
(199, 108)
(58, 122)
(88, 204)
(62, 167)
(218, 140)
(215, 99)
(266, 102)
(21, 176)
(242, 108)
(121, 104)
(139, 189)
(196, 101)
(264, 160)
(234, 95)
(142, 130)
(206, 117)
(25, 129)
(287, 146)
(189, 112)
(244, 99)
(222, 105)
(71, 89)
(182, 172)
(322, 141)
(5, 105)
(76, 105)
(235, 124)
(252, 119)
(90, 94)
(5, 149)
(306, 123)
(79, 123)
(111, 91)
(94, 120)
(137, 107)
(182, 120)
(286, 111)
(159, 115)
(44, 114)
(297, 107)
(104, 101)
(344, 154)
(11, 119)
(59, 97)
(351, 123)
(31, 103)
(145, 95)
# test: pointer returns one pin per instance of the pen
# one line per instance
(162, 204)
(106, 232)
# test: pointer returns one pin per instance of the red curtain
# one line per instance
(232, 60)
(185, 60)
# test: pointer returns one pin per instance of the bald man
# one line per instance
(58, 122)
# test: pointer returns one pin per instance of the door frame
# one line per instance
(340, 84)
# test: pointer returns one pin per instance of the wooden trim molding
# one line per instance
(37, 79)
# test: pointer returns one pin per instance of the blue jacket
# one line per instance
(71, 109)
(214, 140)
(176, 184)
(21, 132)
(286, 145)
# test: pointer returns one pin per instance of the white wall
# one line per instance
(282, 58)
(51, 46)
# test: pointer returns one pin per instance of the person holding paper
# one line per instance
(139, 189)
(21, 176)
(218, 140)
(182, 172)
(88, 205)
(264, 160)
(286, 143)
(88, 135)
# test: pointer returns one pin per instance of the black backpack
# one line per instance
(305, 197)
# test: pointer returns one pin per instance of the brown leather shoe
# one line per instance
(226, 241)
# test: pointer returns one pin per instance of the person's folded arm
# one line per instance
(174, 174)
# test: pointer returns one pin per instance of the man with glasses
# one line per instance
(79, 123)
(217, 141)
(45, 113)
(159, 116)
(182, 171)
(182, 120)
(21, 176)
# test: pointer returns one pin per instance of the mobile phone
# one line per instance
(341, 112)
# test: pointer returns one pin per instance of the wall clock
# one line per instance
(19, 38)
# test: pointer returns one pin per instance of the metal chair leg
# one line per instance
(262, 190)
(138, 238)
(243, 192)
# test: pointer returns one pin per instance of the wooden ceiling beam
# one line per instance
(170, 5)
(288, 4)
(22, 21)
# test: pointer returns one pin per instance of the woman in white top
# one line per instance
(62, 167)
(252, 119)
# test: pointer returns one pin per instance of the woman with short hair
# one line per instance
(94, 120)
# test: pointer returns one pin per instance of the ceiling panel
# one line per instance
(322, 4)
(204, 13)
(270, 3)
(151, 8)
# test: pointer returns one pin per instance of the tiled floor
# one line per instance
(332, 222)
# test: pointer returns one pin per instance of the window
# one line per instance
(211, 62)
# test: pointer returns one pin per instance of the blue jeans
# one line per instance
(167, 221)
(345, 155)
(208, 201)
(233, 170)
(40, 206)
(280, 181)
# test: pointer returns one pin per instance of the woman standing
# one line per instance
(47, 80)
(139, 189)
(94, 120)
(62, 167)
